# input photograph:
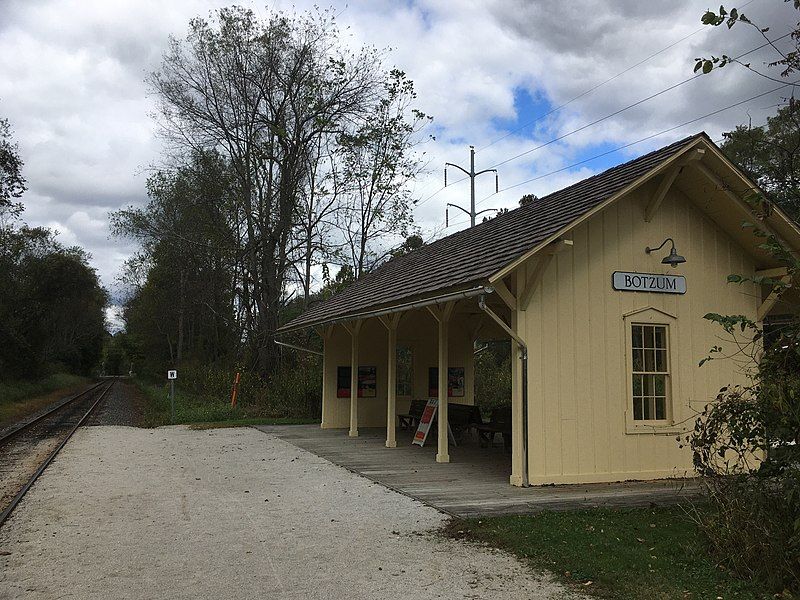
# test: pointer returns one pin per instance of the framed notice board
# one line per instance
(367, 382)
(455, 382)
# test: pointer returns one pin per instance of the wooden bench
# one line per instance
(460, 416)
(410, 420)
(500, 423)
(463, 417)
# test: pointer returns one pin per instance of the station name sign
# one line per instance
(649, 282)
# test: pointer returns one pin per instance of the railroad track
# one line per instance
(27, 450)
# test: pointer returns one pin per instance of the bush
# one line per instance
(493, 376)
(203, 394)
(746, 445)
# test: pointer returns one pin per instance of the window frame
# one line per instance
(650, 317)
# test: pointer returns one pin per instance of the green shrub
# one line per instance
(203, 394)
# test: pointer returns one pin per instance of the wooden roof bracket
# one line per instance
(505, 294)
(769, 303)
(534, 275)
(741, 204)
(667, 180)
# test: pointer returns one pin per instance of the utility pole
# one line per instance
(472, 175)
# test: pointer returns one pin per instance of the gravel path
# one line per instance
(123, 405)
(233, 513)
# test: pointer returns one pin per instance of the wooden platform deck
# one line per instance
(474, 483)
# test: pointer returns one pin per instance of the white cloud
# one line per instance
(72, 83)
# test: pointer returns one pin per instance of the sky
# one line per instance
(492, 73)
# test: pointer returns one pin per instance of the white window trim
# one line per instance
(649, 316)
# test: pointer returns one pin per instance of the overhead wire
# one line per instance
(597, 86)
(628, 107)
(628, 145)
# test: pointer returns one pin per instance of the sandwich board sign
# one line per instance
(425, 422)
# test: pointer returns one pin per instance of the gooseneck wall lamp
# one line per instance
(673, 258)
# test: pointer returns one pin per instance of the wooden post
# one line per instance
(518, 442)
(442, 315)
(354, 329)
(391, 322)
(325, 333)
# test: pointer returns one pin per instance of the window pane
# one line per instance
(661, 361)
(661, 408)
(648, 385)
(661, 337)
(649, 360)
(660, 385)
(637, 385)
(648, 337)
(637, 336)
(637, 409)
(638, 360)
(650, 408)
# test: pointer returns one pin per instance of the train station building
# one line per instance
(601, 288)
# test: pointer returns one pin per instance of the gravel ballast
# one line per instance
(233, 513)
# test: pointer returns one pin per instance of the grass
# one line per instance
(248, 421)
(204, 413)
(20, 398)
(654, 554)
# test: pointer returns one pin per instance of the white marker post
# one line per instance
(172, 375)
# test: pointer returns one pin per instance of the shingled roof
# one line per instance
(469, 257)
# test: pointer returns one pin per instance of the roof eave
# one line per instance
(461, 292)
(510, 267)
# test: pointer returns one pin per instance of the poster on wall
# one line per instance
(455, 382)
(367, 382)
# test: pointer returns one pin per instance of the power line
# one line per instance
(599, 85)
(639, 141)
(628, 107)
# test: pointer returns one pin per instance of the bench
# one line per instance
(500, 423)
(461, 417)
(410, 420)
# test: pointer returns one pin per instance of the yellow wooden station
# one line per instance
(601, 287)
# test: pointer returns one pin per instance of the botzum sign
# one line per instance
(649, 282)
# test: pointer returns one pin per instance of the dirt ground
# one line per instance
(233, 513)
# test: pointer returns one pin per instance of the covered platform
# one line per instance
(473, 482)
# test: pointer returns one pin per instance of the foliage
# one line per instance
(789, 62)
(493, 376)
(770, 156)
(652, 553)
(12, 183)
(203, 395)
(21, 397)
(314, 140)
(182, 284)
(378, 161)
(746, 442)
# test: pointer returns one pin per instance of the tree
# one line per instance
(379, 162)
(183, 281)
(262, 94)
(12, 183)
(770, 155)
(318, 142)
(52, 307)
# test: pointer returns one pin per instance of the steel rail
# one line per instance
(10, 508)
(6, 437)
